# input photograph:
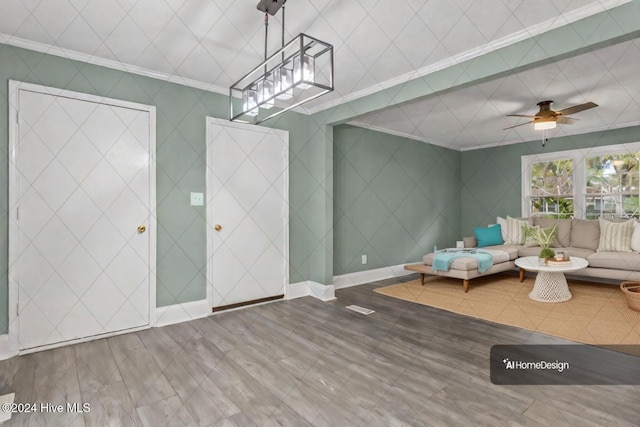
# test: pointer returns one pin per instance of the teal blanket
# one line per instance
(442, 260)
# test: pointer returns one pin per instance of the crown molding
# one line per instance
(402, 135)
(483, 146)
(592, 130)
(529, 32)
(108, 63)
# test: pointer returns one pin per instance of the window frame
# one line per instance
(578, 156)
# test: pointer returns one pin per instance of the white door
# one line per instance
(82, 187)
(247, 199)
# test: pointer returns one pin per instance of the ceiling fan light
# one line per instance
(551, 124)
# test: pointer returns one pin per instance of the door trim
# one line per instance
(210, 122)
(14, 88)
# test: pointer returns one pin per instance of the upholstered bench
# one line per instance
(466, 268)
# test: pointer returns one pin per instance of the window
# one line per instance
(612, 186)
(587, 183)
(552, 189)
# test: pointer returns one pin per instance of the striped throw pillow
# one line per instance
(515, 231)
(615, 236)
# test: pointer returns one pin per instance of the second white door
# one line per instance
(247, 212)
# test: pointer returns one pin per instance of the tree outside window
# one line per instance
(552, 189)
(612, 186)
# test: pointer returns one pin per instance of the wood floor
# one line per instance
(306, 362)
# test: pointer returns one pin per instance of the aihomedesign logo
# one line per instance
(541, 365)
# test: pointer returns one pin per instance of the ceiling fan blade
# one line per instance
(521, 115)
(521, 124)
(566, 120)
(577, 108)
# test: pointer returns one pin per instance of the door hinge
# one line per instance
(17, 308)
(18, 214)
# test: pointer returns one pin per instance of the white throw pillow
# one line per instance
(515, 231)
(502, 222)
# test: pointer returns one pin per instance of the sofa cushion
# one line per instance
(563, 230)
(511, 250)
(529, 251)
(579, 252)
(585, 233)
(488, 236)
(629, 261)
(635, 237)
(515, 231)
(570, 251)
(615, 237)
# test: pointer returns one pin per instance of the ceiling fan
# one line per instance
(546, 118)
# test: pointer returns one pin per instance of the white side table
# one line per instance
(550, 284)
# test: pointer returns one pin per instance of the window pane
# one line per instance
(612, 185)
(552, 207)
(552, 178)
(552, 189)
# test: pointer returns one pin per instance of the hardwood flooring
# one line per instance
(306, 362)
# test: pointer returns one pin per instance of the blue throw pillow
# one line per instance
(488, 236)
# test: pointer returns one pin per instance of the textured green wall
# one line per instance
(394, 198)
(181, 112)
(491, 177)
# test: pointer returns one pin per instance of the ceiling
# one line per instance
(474, 117)
(212, 43)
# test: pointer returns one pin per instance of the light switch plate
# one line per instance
(197, 199)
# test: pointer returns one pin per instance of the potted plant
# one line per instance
(547, 253)
(543, 237)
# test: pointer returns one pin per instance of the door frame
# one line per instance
(14, 155)
(210, 122)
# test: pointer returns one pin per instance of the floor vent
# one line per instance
(359, 309)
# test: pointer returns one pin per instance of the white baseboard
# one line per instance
(310, 288)
(296, 290)
(322, 292)
(360, 277)
(7, 350)
(184, 312)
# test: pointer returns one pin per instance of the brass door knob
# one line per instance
(217, 227)
(142, 229)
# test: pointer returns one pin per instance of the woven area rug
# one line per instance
(597, 314)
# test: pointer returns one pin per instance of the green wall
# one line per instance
(394, 198)
(491, 177)
(181, 112)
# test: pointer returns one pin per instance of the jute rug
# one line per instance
(597, 314)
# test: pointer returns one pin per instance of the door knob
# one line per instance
(142, 229)
(217, 227)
